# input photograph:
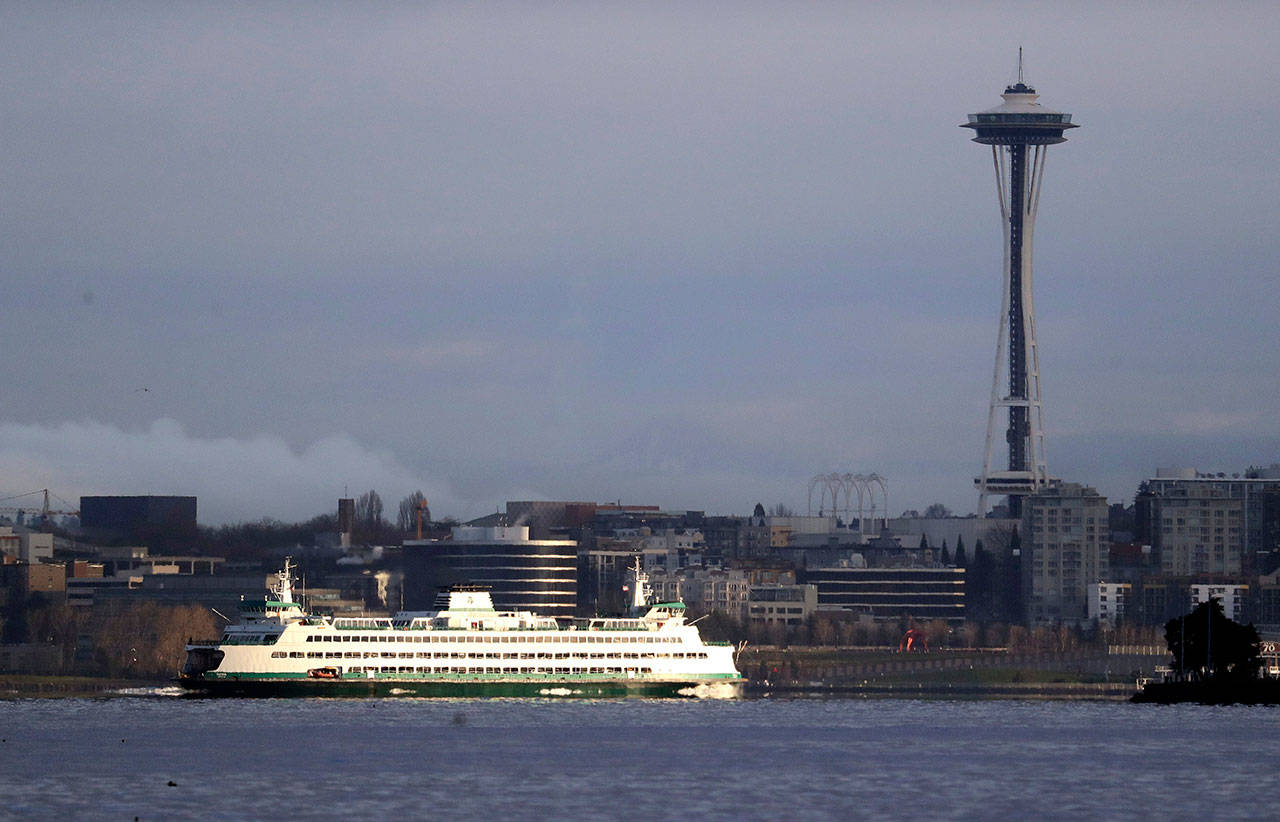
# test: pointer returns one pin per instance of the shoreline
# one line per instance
(1065, 691)
(15, 687)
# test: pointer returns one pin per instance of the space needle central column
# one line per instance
(1019, 132)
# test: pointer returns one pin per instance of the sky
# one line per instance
(682, 254)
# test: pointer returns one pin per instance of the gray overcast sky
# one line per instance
(687, 254)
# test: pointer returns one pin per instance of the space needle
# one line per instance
(1019, 131)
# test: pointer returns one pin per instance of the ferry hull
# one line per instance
(233, 686)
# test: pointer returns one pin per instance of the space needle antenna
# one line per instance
(1019, 64)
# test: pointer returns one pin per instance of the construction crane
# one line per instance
(45, 510)
(422, 506)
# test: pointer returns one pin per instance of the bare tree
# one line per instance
(407, 518)
(369, 511)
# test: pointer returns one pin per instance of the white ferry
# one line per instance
(466, 648)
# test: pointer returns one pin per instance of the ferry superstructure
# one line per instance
(467, 647)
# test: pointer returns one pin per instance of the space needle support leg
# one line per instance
(998, 160)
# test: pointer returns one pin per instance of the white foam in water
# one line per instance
(166, 690)
(713, 690)
(558, 692)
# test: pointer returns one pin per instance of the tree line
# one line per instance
(131, 640)
(370, 526)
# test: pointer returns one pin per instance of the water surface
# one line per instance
(633, 759)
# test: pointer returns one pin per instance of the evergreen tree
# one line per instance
(961, 560)
(981, 581)
(1206, 644)
(946, 555)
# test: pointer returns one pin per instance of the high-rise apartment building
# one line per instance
(1065, 544)
(1198, 523)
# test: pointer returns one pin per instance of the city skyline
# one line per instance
(677, 257)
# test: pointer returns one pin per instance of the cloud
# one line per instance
(675, 255)
(235, 479)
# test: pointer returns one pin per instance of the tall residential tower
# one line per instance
(1019, 131)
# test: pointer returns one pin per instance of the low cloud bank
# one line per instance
(235, 479)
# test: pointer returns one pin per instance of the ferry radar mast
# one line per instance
(639, 588)
(283, 589)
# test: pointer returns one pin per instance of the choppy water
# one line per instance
(635, 760)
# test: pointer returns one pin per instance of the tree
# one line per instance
(822, 630)
(407, 518)
(961, 559)
(980, 582)
(946, 554)
(720, 627)
(369, 510)
(937, 511)
(1207, 645)
(924, 542)
(146, 639)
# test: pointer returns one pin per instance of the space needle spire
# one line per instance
(1019, 131)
